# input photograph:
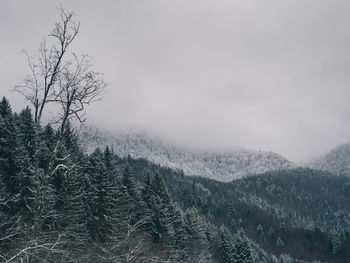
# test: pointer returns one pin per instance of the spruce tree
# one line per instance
(130, 185)
(9, 148)
(193, 225)
(224, 247)
(26, 202)
(179, 227)
(26, 128)
(242, 251)
(146, 190)
(161, 218)
(99, 200)
(5, 108)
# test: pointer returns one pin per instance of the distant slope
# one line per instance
(308, 209)
(216, 165)
(336, 161)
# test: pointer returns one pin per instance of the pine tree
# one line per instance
(26, 129)
(193, 226)
(336, 244)
(5, 108)
(26, 202)
(179, 227)
(231, 211)
(224, 247)
(158, 188)
(259, 230)
(279, 243)
(99, 200)
(108, 159)
(160, 223)
(130, 185)
(70, 141)
(242, 251)
(9, 148)
(146, 190)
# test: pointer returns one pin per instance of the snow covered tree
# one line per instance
(279, 243)
(130, 185)
(179, 227)
(146, 190)
(336, 244)
(259, 229)
(224, 248)
(193, 226)
(26, 128)
(5, 108)
(242, 251)
(99, 200)
(9, 149)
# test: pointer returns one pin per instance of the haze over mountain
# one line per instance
(222, 166)
(337, 161)
(270, 75)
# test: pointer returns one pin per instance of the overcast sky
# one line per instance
(271, 75)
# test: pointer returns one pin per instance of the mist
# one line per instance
(268, 75)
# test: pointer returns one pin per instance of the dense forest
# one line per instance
(99, 207)
(300, 212)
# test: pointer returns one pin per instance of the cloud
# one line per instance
(210, 74)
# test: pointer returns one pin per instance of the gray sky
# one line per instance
(270, 75)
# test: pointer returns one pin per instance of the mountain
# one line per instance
(222, 166)
(337, 161)
(307, 209)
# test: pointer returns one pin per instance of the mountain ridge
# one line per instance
(336, 161)
(222, 166)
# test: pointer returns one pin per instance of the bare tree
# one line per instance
(47, 66)
(61, 78)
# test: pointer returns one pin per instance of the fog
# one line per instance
(270, 75)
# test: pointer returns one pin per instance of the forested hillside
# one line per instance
(337, 161)
(222, 166)
(58, 204)
(301, 212)
(84, 208)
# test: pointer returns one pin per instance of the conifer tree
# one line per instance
(70, 140)
(9, 149)
(146, 190)
(224, 247)
(26, 202)
(26, 129)
(179, 227)
(279, 243)
(129, 183)
(108, 159)
(161, 218)
(193, 226)
(242, 251)
(99, 200)
(158, 188)
(5, 108)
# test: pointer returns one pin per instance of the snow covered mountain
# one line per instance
(222, 166)
(337, 161)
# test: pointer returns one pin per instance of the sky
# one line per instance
(265, 75)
